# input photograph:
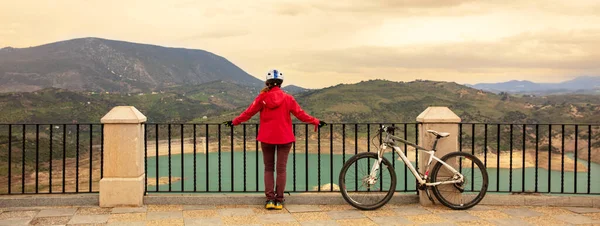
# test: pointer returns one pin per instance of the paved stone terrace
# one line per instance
(313, 215)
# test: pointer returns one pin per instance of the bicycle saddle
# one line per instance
(438, 134)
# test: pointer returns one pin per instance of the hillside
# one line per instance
(94, 64)
(384, 101)
(176, 104)
(370, 101)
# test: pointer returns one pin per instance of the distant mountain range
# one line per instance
(94, 64)
(583, 84)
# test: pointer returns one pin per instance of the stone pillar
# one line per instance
(123, 182)
(440, 119)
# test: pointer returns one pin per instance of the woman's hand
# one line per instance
(228, 123)
(322, 123)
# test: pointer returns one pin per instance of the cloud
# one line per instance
(215, 34)
(554, 50)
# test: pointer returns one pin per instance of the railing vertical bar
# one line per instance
(232, 158)
(406, 151)
(64, 156)
(485, 147)
(343, 144)
(219, 155)
(562, 159)
(589, 157)
(102, 151)
(244, 135)
(77, 159)
(472, 150)
(380, 171)
(23, 163)
(206, 158)
(331, 157)
(549, 158)
(537, 141)
(92, 157)
(319, 159)
(417, 151)
(355, 153)
(510, 173)
(368, 146)
(497, 158)
(523, 157)
(182, 158)
(306, 155)
(157, 156)
(49, 161)
(293, 157)
(146, 159)
(576, 156)
(472, 163)
(10, 159)
(459, 146)
(37, 157)
(393, 158)
(169, 138)
(195, 165)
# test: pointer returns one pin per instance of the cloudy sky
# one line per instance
(318, 43)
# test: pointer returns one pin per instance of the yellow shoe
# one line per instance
(270, 205)
(278, 205)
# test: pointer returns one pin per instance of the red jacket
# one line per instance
(275, 107)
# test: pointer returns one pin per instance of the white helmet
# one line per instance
(274, 74)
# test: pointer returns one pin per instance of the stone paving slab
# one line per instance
(89, 219)
(203, 221)
(522, 212)
(50, 221)
(345, 214)
(411, 211)
(18, 215)
(509, 222)
(276, 218)
(164, 215)
(302, 208)
(14, 222)
(458, 216)
(390, 220)
(576, 219)
(129, 210)
(57, 212)
(319, 223)
(583, 210)
(136, 223)
(236, 212)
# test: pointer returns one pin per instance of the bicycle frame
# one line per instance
(389, 141)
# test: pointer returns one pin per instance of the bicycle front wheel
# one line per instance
(464, 195)
(362, 191)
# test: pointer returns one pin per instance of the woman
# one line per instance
(275, 132)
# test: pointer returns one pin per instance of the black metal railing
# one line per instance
(536, 158)
(233, 164)
(50, 158)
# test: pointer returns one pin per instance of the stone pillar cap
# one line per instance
(123, 114)
(438, 114)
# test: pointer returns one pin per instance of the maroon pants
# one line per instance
(274, 191)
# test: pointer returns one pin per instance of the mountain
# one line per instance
(94, 64)
(582, 84)
(293, 89)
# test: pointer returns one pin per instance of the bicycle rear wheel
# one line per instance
(466, 194)
(354, 182)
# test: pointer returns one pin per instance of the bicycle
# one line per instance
(444, 180)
